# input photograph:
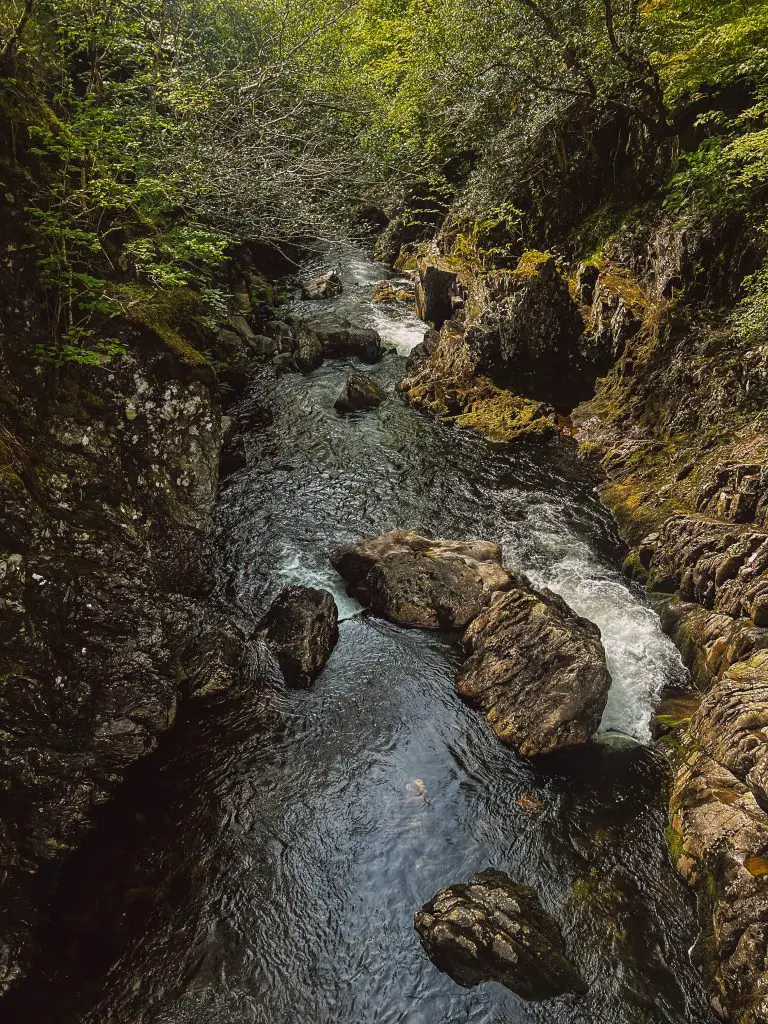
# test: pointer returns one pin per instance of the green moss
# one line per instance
(674, 843)
(531, 263)
(634, 569)
(165, 313)
(503, 416)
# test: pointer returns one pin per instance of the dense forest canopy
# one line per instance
(159, 131)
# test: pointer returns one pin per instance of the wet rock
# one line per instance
(324, 286)
(264, 345)
(360, 392)
(415, 581)
(340, 341)
(301, 628)
(493, 929)
(307, 351)
(537, 669)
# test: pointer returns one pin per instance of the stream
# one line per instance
(263, 867)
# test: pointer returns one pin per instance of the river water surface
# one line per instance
(264, 867)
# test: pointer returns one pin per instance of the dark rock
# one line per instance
(233, 457)
(264, 345)
(230, 344)
(436, 292)
(415, 581)
(301, 628)
(324, 286)
(421, 352)
(527, 335)
(537, 669)
(308, 350)
(242, 328)
(586, 279)
(339, 342)
(493, 929)
(233, 380)
(360, 392)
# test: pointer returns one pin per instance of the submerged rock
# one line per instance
(301, 628)
(537, 669)
(492, 929)
(360, 392)
(415, 581)
(324, 286)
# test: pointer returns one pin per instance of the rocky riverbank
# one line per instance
(626, 352)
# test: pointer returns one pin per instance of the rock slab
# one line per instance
(418, 582)
(301, 629)
(492, 929)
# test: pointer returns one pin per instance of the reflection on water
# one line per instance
(266, 866)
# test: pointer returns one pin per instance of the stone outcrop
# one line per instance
(418, 582)
(341, 341)
(717, 572)
(538, 671)
(301, 346)
(719, 565)
(519, 330)
(444, 379)
(301, 629)
(493, 929)
(438, 293)
(360, 392)
(324, 286)
(106, 626)
(536, 668)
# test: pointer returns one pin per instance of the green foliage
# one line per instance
(750, 319)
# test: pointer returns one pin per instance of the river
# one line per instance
(264, 865)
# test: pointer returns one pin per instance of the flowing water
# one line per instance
(265, 867)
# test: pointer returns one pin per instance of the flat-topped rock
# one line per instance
(537, 670)
(416, 581)
(492, 929)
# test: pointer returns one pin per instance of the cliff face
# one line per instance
(675, 420)
(108, 480)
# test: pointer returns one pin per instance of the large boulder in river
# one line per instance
(492, 929)
(339, 341)
(415, 581)
(324, 286)
(301, 629)
(360, 392)
(537, 669)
